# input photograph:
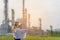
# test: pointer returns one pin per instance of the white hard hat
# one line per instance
(17, 20)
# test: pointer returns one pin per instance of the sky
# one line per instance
(47, 10)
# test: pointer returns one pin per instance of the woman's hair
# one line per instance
(16, 24)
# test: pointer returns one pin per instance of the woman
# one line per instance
(19, 32)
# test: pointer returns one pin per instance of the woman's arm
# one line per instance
(13, 30)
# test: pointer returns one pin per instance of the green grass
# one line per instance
(30, 38)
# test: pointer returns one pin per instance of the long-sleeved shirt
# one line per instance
(20, 33)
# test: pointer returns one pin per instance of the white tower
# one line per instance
(5, 24)
(6, 12)
(23, 8)
(13, 13)
(25, 17)
(40, 20)
(29, 20)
